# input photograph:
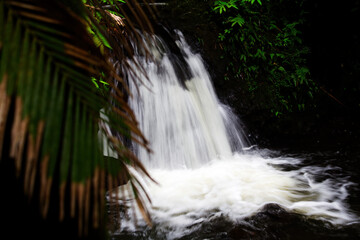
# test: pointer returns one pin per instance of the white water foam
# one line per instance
(200, 159)
(237, 187)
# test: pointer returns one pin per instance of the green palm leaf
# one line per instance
(48, 60)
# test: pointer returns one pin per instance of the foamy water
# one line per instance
(237, 187)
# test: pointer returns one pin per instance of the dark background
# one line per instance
(332, 32)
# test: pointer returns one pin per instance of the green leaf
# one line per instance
(36, 85)
(2, 24)
(44, 94)
(99, 38)
(29, 79)
(15, 57)
(23, 65)
(6, 52)
(237, 20)
(53, 129)
(66, 155)
(76, 142)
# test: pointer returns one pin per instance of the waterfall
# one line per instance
(201, 158)
(180, 114)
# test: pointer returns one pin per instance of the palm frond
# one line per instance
(47, 60)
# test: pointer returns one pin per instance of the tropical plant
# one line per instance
(51, 52)
(263, 44)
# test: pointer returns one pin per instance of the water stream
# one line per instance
(208, 174)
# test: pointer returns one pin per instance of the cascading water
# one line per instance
(200, 158)
(182, 118)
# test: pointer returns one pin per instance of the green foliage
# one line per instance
(263, 42)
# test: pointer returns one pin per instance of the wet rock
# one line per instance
(273, 211)
(240, 232)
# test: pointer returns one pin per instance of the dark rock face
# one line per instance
(272, 211)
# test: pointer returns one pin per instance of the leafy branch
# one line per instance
(265, 50)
